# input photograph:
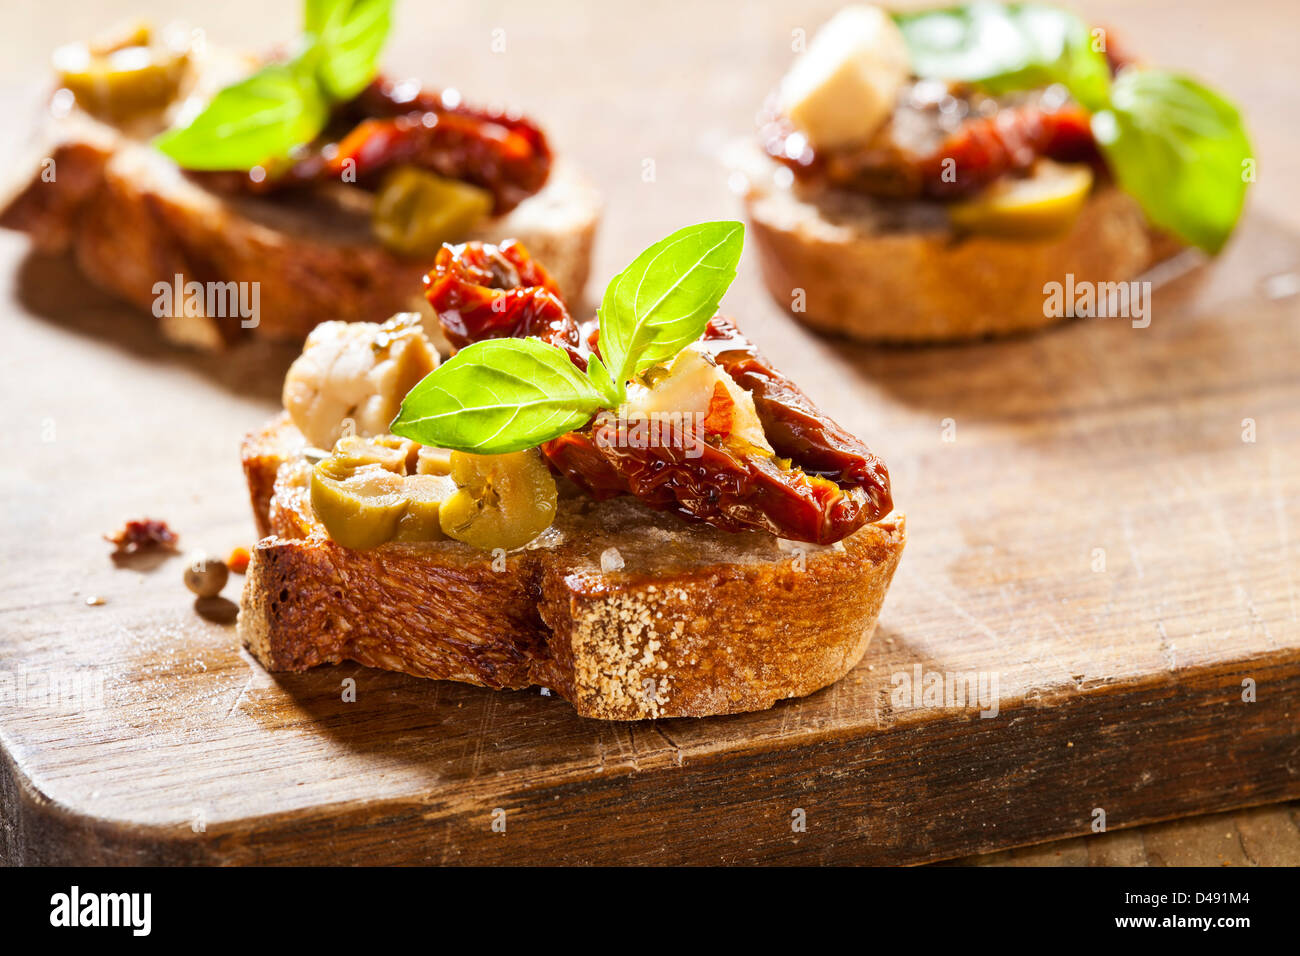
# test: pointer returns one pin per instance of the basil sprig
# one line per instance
(499, 395)
(1177, 147)
(260, 119)
(504, 395)
(1180, 148)
(661, 302)
(351, 35)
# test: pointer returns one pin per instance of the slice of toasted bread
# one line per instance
(874, 271)
(628, 613)
(132, 218)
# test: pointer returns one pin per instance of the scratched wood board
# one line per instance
(1089, 523)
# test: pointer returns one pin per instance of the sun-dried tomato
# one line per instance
(483, 291)
(793, 425)
(979, 151)
(700, 477)
(986, 148)
(831, 486)
(500, 150)
(449, 144)
(721, 416)
(141, 535)
(390, 124)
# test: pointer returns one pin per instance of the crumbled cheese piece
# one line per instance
(694, 385)
(357, 373)
(844, 87)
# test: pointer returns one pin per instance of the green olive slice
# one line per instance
(388, 451)
(501, 501)
(1042, 205)
(433, 461)
(417, 211)
(422, 520)
(133, 74)
(359, 511)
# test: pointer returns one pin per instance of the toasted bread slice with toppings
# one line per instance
(132, 219)
(626, 612)
(899, 272)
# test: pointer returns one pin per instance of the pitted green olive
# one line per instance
(501, 501)
(1044, 204)
(417, 211)
(365, 495)
(372, 490)
(425, 495)
(391, 453)
(433, 461)
(359, 511)
(132, 74)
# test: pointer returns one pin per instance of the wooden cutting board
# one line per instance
(1088, 524)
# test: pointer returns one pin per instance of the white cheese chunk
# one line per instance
(355, 372)
(844, 87)
(687, 387)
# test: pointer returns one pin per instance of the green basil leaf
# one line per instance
(661, 302)
(1180, 150)
(1002, 48)
(351, 34)
(497, 396)
(601, 379)
(256, 121)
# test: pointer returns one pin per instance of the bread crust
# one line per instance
(868, 276)
(697, 622)
(131, 219)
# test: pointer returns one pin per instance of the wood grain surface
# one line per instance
(1086, 522)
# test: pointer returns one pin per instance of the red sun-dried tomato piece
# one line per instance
(483, 291)
(141, 535)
